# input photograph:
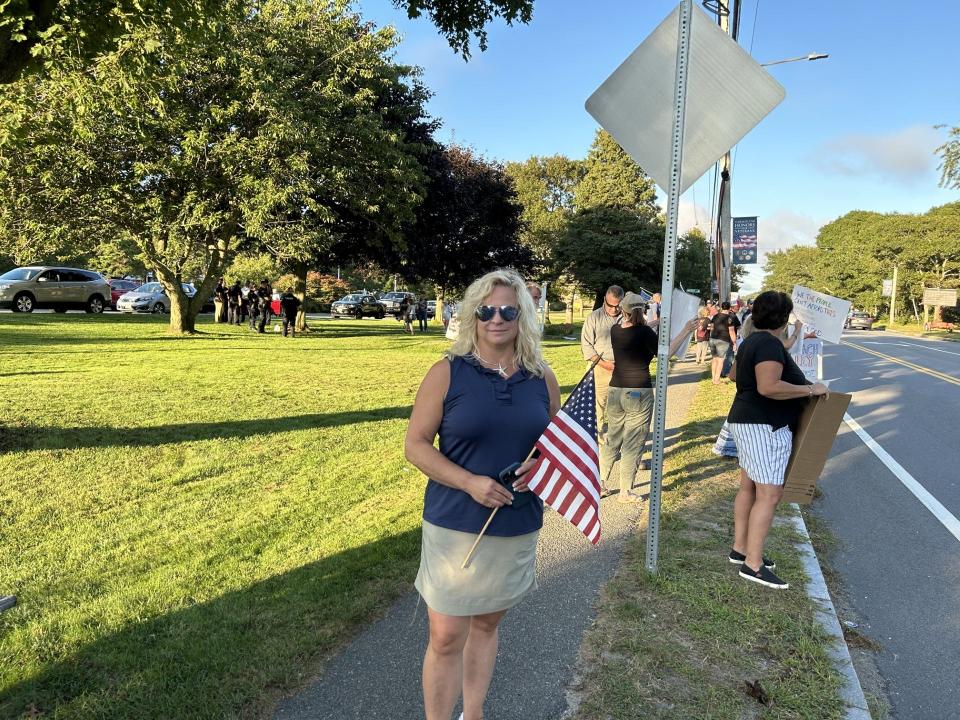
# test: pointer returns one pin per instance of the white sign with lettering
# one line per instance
(808, 355)
(824, 313)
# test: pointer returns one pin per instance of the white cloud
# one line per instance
(903, 157)
(691, 215)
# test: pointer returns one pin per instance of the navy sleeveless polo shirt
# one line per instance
(488, 423)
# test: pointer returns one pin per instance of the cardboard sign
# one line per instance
(808, 355)
(812, 442)
(825, 313)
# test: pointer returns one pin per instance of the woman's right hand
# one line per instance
(488, 492)
(819, 389)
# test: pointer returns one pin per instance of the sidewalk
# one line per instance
(377, 677)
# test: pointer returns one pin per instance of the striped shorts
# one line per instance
(763, 451)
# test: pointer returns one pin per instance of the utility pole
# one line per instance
(729, 23)
(893, 297)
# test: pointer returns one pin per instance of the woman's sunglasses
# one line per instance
(508, 313)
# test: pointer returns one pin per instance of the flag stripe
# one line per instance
(556, 457)
(583, 459)
(577, 428)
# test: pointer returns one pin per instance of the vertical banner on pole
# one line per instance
(745, 240)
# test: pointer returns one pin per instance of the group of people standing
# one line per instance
(234, 304)
(620, 339)
(410, 311)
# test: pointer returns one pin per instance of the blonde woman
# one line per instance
(489, 401)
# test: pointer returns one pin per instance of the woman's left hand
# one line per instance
(520, 484)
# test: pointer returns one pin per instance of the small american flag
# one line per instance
(567, 475)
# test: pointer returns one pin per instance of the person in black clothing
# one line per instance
(234, 296)
(723, 336)
(253, 306)
(771, 393)
(264, 296)
(245, 302)
(290, 304)
(630, 398)
(220, 302)
(422, 315)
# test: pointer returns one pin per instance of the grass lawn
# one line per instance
(683, 643)
(192, 525)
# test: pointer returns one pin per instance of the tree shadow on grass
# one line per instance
(222, 657)
(32, 437)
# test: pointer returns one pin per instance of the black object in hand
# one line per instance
(507, 477)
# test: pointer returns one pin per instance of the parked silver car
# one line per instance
(32, 288)
(149, 298)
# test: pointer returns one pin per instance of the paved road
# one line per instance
(900, 564)
(378, 676)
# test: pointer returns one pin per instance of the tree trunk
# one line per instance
(598, 299)
(300, 290)
(568, 315)
(183, 313)
(441, 296)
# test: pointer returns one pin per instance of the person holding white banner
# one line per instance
(771, 390)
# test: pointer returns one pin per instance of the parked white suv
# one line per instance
(33, 288)
(149, 298)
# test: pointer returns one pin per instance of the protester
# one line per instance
(712, 308)
(630, 396)
(702, 336)
(421, 312)
(253, 303)
(595, 346)
(535, 293)
(245, 301)
(489, 400)
(234, 295)
(290, 304)
(264, 298)
(653, 312)
(406, 313)
(723, 336)
(448, 310)
(771, 390)
(220, 302)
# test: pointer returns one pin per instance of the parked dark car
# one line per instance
(119, 286)
(860, 321)
(358, 305)
(31, 288)
(391, 301)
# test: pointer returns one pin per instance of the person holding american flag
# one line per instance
(489, 400)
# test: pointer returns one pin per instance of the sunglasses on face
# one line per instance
(615, 307)
(508, 313)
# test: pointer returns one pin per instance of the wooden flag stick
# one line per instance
(476, 542)
(483, 530)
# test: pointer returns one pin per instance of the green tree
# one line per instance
(469, 223)
(603, 246)
(613, 180)
(37, 32)
(692, 269)
(798, 265)
(950, 160)
(253, 134)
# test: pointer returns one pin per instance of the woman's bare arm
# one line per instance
(420, 451)
(770, 384)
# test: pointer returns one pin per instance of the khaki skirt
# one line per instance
(500, 573)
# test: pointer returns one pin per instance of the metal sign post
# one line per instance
(669, 256)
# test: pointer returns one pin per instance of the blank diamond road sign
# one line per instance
(728, 93)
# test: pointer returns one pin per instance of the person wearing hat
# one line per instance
(595, 346)
(630, 397)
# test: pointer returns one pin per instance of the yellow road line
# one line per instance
(918, 368)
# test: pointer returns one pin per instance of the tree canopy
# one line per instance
(35, 33)
(856, 252)
(271, 130)
(612, 179)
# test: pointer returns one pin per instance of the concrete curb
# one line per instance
(826, 615)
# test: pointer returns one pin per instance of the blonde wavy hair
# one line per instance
(527, 344)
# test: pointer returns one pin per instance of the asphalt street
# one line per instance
(899, 561)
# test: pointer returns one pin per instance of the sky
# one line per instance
(855, 132)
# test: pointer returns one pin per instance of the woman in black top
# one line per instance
(771, 393)
(630, 398)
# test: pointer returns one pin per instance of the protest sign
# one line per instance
(682, 311)
(808, 355)
(825, 313)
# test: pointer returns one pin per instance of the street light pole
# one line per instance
(811, 56)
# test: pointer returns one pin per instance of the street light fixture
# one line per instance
(811, 56)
